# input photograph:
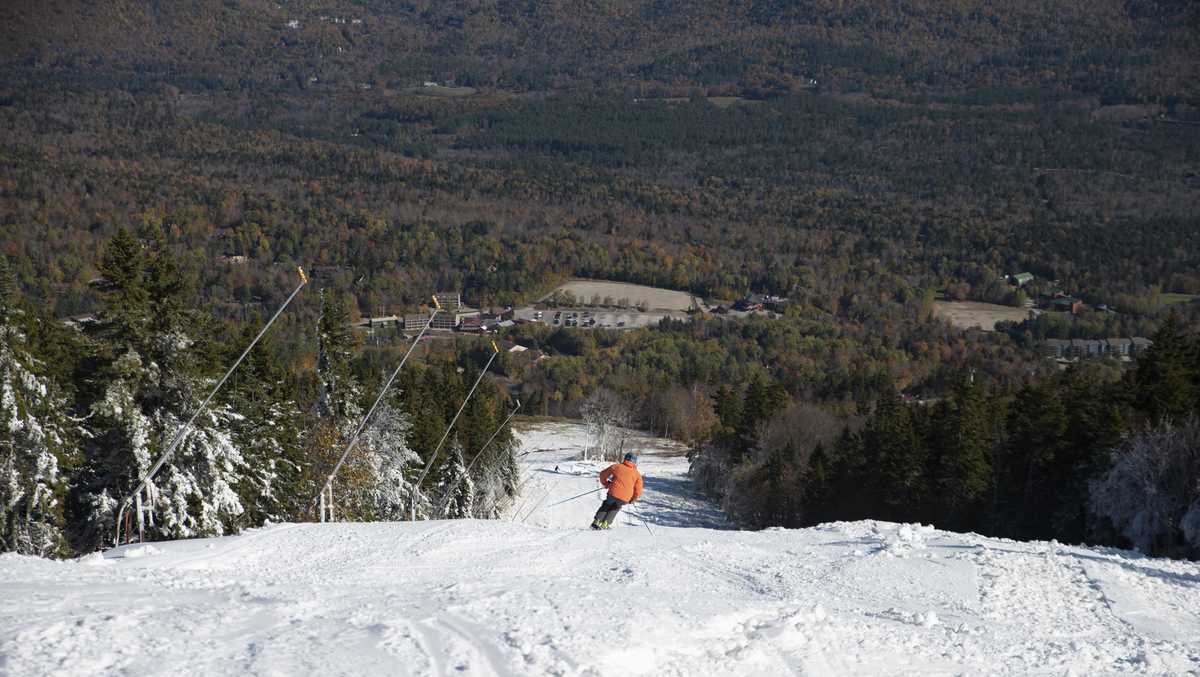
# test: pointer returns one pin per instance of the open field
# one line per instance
(1173, 299)
(443, 91)
(634, 294)
(972, 314)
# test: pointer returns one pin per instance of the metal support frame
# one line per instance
(179, 435)
(328, 486)
(326, 506)
(446, 499)
(429, 464)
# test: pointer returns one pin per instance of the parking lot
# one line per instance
(595, 318)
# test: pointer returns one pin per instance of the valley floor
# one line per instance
(541, 594)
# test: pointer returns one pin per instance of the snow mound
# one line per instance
(94, 559)
(141, 551)
(906, 539)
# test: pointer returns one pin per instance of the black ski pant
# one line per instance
(608, 510)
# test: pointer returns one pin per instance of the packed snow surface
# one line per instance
(541, 594)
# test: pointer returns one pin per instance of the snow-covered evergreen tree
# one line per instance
(267, 431)
(455, 488)
(34, 441)
(149, 381)
(391, 463)
(1151, 494)
(195, 492)
(496, 476)
(340, 393)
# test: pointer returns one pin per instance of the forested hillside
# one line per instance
(857, 158)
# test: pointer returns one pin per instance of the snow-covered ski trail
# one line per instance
(547, 596)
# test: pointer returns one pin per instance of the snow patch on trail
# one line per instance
(539, 594)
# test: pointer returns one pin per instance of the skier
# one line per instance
(624, 484)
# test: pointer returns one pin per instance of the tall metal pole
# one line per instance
(429, 464)
(446, 498)
(183, 430)
(367, 419)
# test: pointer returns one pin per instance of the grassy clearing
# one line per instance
(444, 92)
(975, 315)
(1173, 299)
(652, 298)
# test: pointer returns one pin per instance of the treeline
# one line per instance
(805, 353)
(87, 409)
(1084, 456)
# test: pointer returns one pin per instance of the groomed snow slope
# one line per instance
(546, 596)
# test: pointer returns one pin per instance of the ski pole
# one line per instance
(538, 506)
(366, 419)
(646, 524)
(438, 448)
(183, 430)
(567, 500)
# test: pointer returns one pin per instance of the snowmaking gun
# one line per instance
(144, 509)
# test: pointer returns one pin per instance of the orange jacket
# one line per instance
(623, 481)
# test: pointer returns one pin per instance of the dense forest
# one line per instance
(857, 158)
(1086, 455)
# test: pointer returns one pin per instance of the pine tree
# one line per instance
(1097, 419)
(729, 411)
(498, 476)
(756, 408)
(35, 441)
(963, 474)
(853, 484)
(817, 480)
(782, 505)
(896, 457)
(123, 323)
(1164, 380)
(392, 464)
(146, 384)
(266, 430)
(1037, 426)
(454, 488)
(340, 393)
(8, 290)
